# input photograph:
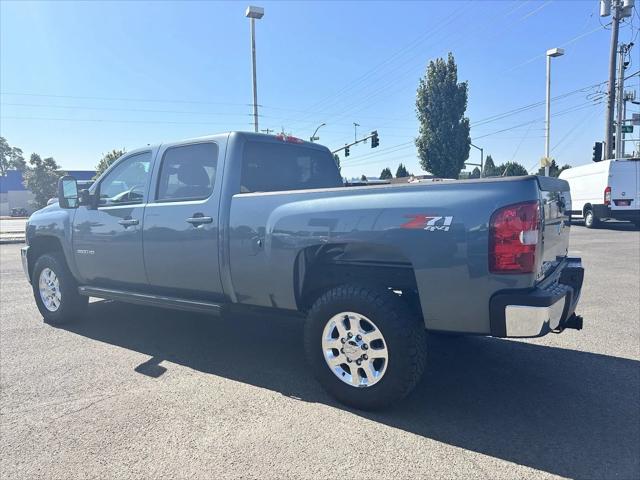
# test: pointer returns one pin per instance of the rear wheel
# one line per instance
(590, 219)
(365, 346)
(56, 291)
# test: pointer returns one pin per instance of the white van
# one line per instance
(605, 190)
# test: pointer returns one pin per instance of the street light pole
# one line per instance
(481, 158)
(254, 13)
(554, 52)
(313, 137)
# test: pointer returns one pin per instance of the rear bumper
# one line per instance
(537, 311)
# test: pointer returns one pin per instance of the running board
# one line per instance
(151, 300)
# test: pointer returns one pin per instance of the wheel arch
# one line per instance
(41, 245)
(320, 268)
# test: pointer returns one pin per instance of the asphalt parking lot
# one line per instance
(136, 392)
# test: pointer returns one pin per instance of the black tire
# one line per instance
(590, 219)
(72, 306)
(404, 334)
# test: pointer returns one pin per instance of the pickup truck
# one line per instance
(264, 221)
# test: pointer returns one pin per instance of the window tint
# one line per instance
(188, 172)
(127, 183)
(268, 167)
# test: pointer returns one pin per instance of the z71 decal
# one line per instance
(428, 223)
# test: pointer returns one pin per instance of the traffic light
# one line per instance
(346, 151)
(597, 152)
(374, 139)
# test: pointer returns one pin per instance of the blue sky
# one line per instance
(78, 79)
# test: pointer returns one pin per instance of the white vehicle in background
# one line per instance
(609, 189)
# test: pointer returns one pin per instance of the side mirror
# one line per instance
(67, 192)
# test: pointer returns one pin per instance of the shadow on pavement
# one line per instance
(565, 412)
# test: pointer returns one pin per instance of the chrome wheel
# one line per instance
(355, 349)
(49, 287)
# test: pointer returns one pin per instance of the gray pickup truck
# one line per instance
(265, 221)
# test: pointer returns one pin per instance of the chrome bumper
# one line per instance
(24, 254)
(548, 307)
(526, 321)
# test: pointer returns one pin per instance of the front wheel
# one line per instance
(55, 290)
(365, 346)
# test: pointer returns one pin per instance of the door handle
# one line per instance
(128, 222)
(199, 219)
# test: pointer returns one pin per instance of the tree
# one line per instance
(41, 177)
(475, 173)
(386, 174)
(107, 159)
(443, 142)
(566, 166)
(554, 169)
(10, 158)
(511, 169)
(336, 158)
(401, 171)
(489, 167)
(363, 178)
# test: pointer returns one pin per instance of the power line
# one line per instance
(385, 87)
(332, 99)
(99, 120)
(123, 99)
(141, 110)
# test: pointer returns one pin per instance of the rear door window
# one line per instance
(187, 172)
(269, 167)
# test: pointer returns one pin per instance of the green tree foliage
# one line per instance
(554, 169)
(41, 177)
(443, 142)
(475, 173)
(336, 158)
(386, 174)
(107, 159)
(402, 171)
(10, 158)
(363, 178)
(489, 167)
(510, 169)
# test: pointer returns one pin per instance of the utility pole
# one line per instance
(611, 90)
(629, 96)
(267, 130)
(622, 51)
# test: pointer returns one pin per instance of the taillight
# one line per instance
(607, 196)
(513, 238)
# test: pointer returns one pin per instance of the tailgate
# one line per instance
(555, 200)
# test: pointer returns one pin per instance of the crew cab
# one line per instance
(257, 220)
